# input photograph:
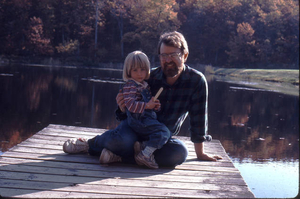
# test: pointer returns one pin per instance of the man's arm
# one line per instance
(198, 120)
(199, 149)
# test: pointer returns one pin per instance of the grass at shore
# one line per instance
(271, 75)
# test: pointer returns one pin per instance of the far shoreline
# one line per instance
(286, 76)
(289, 76)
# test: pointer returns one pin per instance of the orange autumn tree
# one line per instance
(75, 30)
(151, 18)
(281, 30)
(77, 25)
(211, 28)
(242, 47)
(35, 35)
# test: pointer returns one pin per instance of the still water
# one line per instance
(258, 128)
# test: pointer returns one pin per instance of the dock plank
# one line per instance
(38, 168)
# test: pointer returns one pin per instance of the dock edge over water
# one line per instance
(38, 168)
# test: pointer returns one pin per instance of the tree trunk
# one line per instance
(121, 27)
(96, 27)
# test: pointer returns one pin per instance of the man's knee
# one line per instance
(179, 156)
(172, 154)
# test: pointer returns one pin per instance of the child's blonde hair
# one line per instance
(135, 59)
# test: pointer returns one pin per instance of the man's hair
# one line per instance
(135, 59)
(173, 39)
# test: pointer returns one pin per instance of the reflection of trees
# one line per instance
(66, 83)
(239, 117)
(35, 88)
(21, 115)
(253, 124)
(35, 98)
(91, 105)
(262, 149)
(13, 140)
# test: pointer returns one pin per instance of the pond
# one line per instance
(259, 128)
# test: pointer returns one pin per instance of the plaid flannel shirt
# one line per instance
(187, 96)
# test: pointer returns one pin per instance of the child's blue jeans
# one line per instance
(149, 129)
(121, 140)
(145, 124)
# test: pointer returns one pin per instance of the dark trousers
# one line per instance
(121, 140)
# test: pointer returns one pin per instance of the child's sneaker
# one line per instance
(74, 145)
(143, 160)
(108, 157)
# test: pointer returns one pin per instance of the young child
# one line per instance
(139, 108)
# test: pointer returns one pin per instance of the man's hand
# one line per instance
(199, 149)
(157, 106)
(120, 101)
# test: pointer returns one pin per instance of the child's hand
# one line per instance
(151, 104)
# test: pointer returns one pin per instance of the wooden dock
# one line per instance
(38, 168)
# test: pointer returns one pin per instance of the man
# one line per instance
(185, 92)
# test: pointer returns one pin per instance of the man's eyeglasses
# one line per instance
(171, 55)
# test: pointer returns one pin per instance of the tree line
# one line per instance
(229, 33)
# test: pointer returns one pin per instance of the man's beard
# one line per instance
(170, 69)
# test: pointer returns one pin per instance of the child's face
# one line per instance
(138, 74)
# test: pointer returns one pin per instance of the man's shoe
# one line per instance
(143, 160)
(108, 157)
(74, 145)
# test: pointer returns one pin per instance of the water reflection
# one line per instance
(250, 123)
(33, 97)
(253, 123)
(258, 128)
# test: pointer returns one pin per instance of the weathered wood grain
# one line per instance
(38, 168)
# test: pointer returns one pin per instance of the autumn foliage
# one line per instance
(227, 33)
